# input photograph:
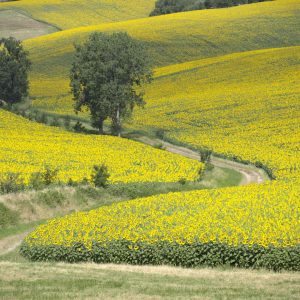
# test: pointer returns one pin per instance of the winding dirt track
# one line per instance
(250, 174)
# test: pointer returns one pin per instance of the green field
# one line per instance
(61, 281)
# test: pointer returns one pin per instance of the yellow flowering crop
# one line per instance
(73, 13)
(263, 215)
(26, 147)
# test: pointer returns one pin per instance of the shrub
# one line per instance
(55, 122)
(205, 155)
(100, 176)
(159, 146)
(39, 180)
(78, 127)
(182, 181)
(160, 133)
(11, 182)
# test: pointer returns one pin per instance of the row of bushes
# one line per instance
(164, 253)
(15, 182)
(163, 7)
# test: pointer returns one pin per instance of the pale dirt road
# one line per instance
(250, 174)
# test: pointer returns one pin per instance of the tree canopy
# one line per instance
(163, 7)
(107, 75)
(14, 67)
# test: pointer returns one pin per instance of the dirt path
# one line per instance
(250, 174)
(11, 243)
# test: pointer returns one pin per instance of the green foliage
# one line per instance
(182, 181)
(7, 216)
(160, 133)
(11, 183)
(78, 127)
(14, 182)
(159, 146)
(189, 255)
(100, 176)
(105, 73)
(14, 67)
(205, 155)
(163, 7)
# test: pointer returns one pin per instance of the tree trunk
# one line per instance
(118, 122)
(100, 125)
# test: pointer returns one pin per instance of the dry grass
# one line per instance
(21, 26)
(91, 281)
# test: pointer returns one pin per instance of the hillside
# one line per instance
(73, 13)
(238, 99)
(27, 147)
(225, 90)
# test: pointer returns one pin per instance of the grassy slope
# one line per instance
(73, 13)
(61, 281)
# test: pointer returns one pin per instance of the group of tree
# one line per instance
(106, 77)
(163, 7)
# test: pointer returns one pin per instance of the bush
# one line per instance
(11, 183)
(188, 255)
(78, 127)
(159, 146)
(205, 155)
(41, 118)
(160, 133)
(7, 216)
(182, 181)
(55, 122)
(100, 176)
(39, 180)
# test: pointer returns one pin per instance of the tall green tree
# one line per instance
(14, 68)
(107, 76)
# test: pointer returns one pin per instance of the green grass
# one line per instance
(22, 280)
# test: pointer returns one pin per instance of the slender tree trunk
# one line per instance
(118, 121)
(100, 125)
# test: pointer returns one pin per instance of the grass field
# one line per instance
(22, 280)
(22, 27)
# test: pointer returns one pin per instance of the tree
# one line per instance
(106, 77)
(14, 67)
